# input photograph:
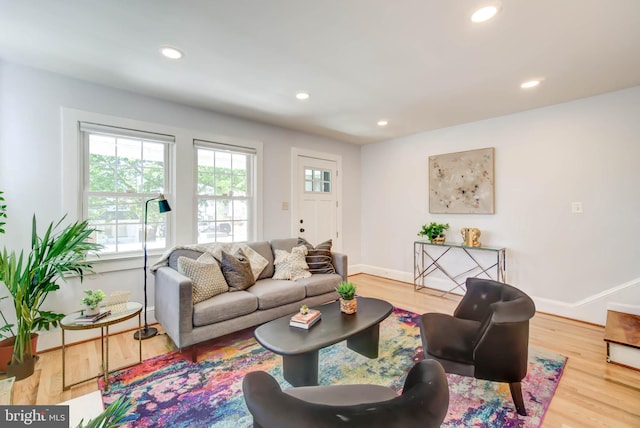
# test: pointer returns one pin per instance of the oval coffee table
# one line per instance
(299, 347)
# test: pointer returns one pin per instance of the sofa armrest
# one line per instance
(339, 261)
(174, 305)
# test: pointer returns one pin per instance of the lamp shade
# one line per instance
(163, 205)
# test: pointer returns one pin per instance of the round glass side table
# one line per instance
(70, 323)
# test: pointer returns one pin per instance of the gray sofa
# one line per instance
(188, 324)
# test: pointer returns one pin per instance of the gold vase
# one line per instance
(348, 306)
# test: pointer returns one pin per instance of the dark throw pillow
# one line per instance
(237, 270)
(319, 257)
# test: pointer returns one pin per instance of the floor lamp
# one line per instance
(163, 207)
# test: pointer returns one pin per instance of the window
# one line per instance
(317, 180)
(123, 169)
(225, 192)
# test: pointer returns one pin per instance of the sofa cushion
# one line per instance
(224, 307)
(264, 249)
(205, 274)
(285, 244)
(237, 270)
(320, 283)
(276, 292)
(291, 266)
(319, 257)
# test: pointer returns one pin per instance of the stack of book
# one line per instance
(305, 321)
(90, 319)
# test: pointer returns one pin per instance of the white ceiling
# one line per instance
(420, 64)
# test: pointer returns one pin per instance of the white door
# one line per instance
(315, 215)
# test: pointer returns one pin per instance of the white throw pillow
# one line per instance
(291, 266)
(206, 275)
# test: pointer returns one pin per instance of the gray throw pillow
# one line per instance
(237, 270)
(319, 257)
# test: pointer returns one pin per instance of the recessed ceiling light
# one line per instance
(171, 53)
(484, 14)
(530, 84)
(383, 122)
(302, 96)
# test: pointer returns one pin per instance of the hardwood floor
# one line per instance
(591, 393)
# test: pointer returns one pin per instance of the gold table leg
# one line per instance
(64, 378)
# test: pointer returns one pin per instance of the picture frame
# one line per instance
(462, 182)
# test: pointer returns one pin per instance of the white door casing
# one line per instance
(316, 197)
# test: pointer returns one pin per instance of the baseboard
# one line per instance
(396, 275)
(592, 309)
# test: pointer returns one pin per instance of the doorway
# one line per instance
(316, 211)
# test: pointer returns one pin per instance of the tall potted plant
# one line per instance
(30, 278)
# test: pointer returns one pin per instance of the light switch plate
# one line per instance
(576, 208)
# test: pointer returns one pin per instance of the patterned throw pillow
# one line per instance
(319, 258)
(205, 274)
(237, 270)
(291, 266)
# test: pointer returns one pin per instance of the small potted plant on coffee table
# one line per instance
(434, 231)
(347, 292)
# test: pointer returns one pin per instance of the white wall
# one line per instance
(584, 151)
(31, 102)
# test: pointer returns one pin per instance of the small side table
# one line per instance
(68, 323)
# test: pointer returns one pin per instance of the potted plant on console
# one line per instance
(434, 232)
(30, 277)
(347, 292)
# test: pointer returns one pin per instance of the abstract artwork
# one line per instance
(462, 183)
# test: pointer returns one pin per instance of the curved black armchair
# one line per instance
(423, 403)
(487, 337)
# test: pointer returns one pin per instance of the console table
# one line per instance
(429, 257)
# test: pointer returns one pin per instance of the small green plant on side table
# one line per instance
(347, 292)
(93, 299)
(434, 232)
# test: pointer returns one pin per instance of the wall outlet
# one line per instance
(576, 207)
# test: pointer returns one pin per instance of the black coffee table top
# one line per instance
(334, 326)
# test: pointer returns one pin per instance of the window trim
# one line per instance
(85, 130)
(73, 177)
(254, 231)
(181, 185)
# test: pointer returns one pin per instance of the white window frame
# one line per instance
(181, 194)
(86, 130)
(73, 176)
(254, 188)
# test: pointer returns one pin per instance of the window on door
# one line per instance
(317, 180)
(225, 192)
(122, 169)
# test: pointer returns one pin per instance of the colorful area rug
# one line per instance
(170, 390)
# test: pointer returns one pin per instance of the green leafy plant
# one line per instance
(346, 290)
(113, 416)
(3, 213)
(433, 230)
(6, 330)
(93, 298)
(30, 278)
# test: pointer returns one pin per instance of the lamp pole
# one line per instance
(163, 206)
